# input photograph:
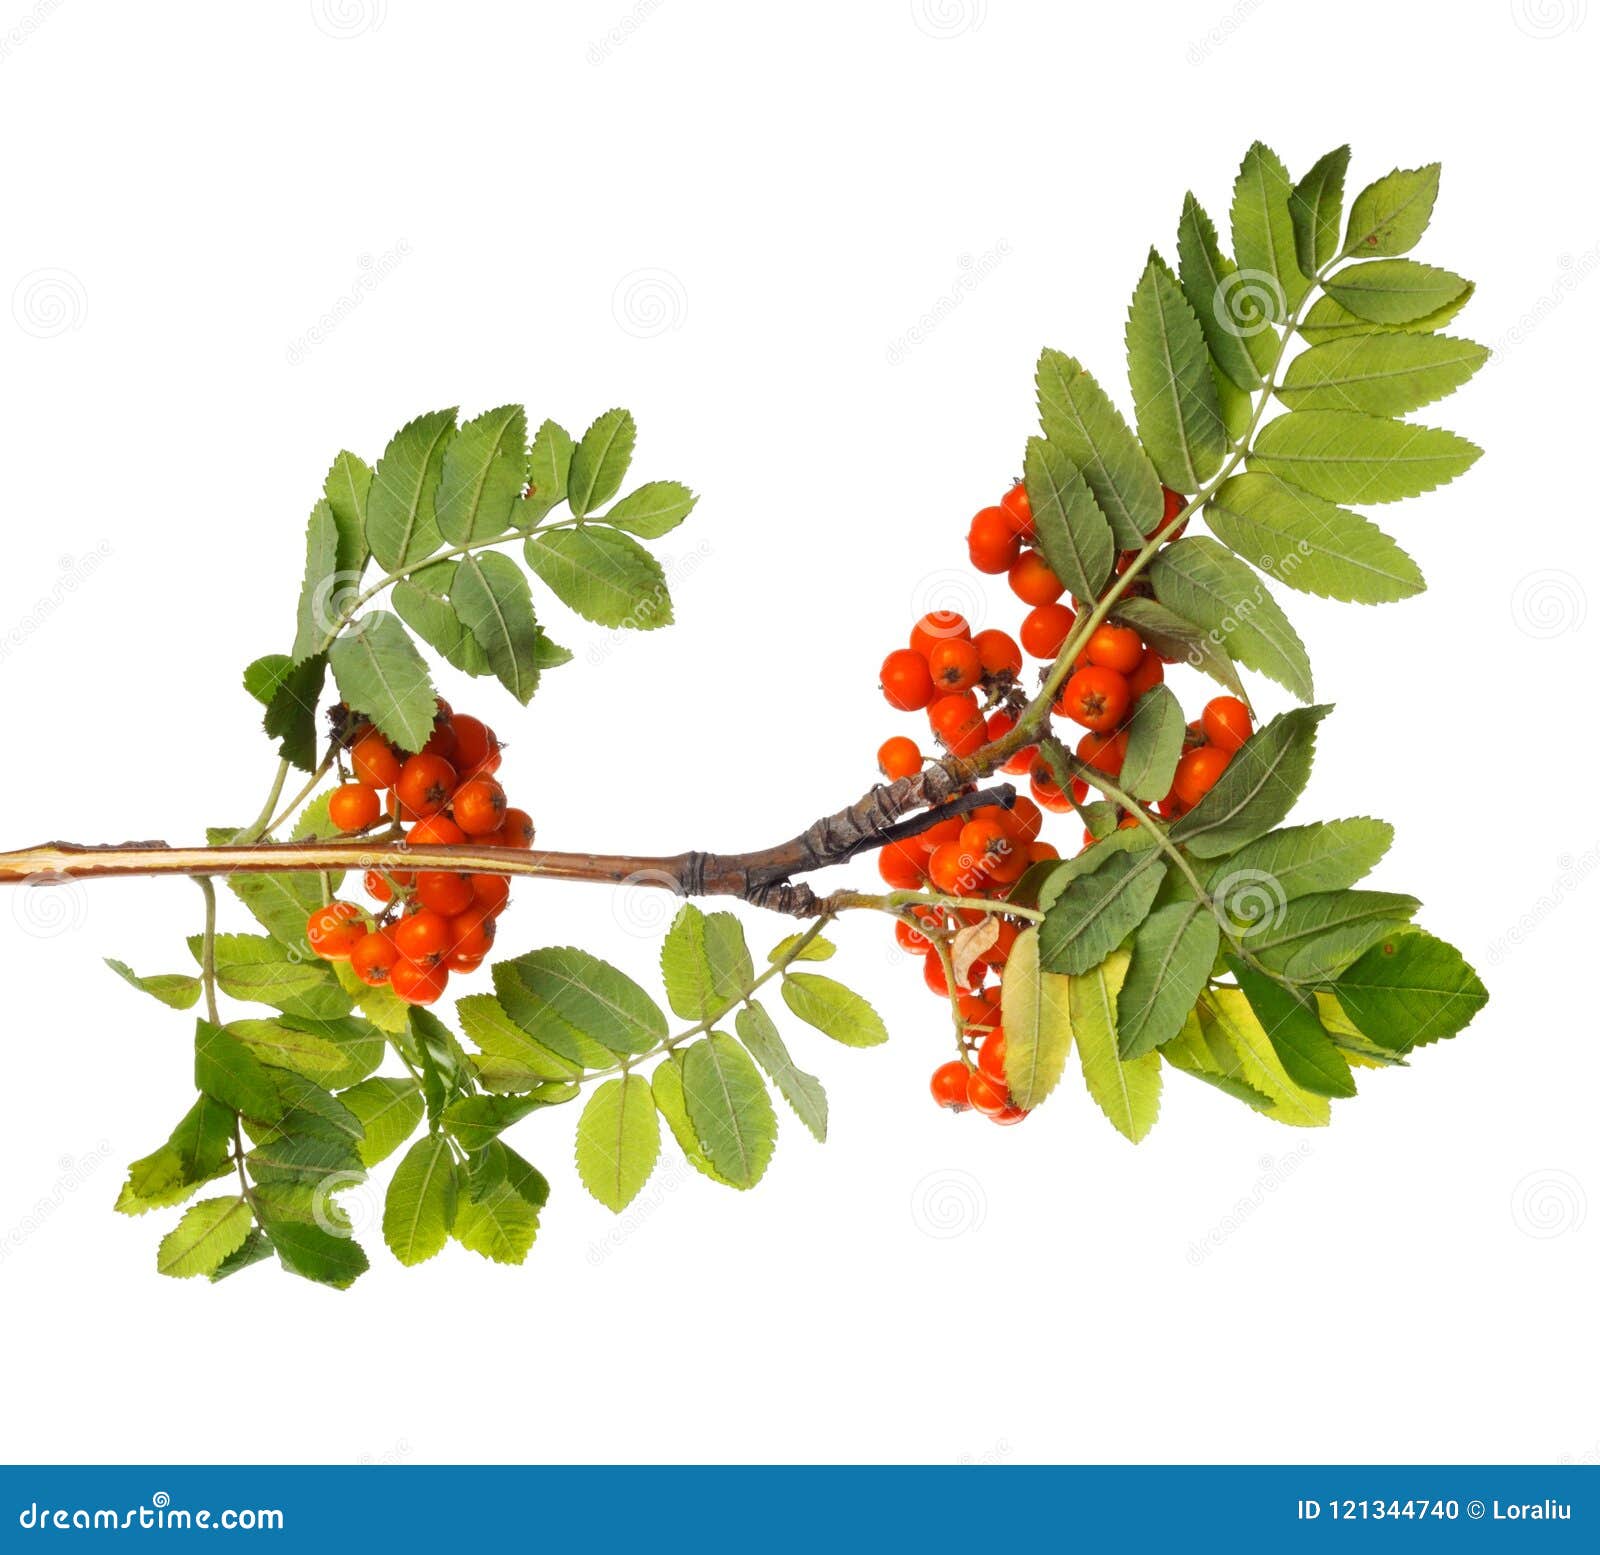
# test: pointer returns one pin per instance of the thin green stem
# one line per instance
(262, 823)
(208, 948)
(299, 799)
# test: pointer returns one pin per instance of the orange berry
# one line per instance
(955, 665)
(949, 1085)
(905, 680)
(1149, 674)
(1016, 506)
(417, 984)
(1095, 697)
(1198, 771)
(354, 807)
(1104, 752)
(425, 784)
(1226, 723)
(423, 937)
(516, 831)
(998, 653)
(374, 762)
(444, 893)
(335, 930)
(992, 543)
(435, 831)
(899, 757)
(936, 627)
(479, 806)
(1045, 629)
(1033, 582)
(1114, 647)
(491, 892)
(900, 865)
(372, 959)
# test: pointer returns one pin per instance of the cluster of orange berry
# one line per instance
(968, 684)
(429, 922)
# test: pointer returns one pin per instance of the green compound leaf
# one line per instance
(1315, 206)
(1172, 955)
(654, 509)
(208, 1233)
(1394, 291)
(604, 576)
(600, 461)
(380, 673)
(1258, 787)
(618, 1141)
(1200, 580)
(420, 1206)
(1155, 742)
(174, 989)
(549, 461)
(346, 485)
(835, 1011)
(482, 476)
(1074, 534)
(1237, 339)
(197, 1152)
(802, 1091)
(729, 1109)
(491, 597)
(401, 527)
(1079, 418)
(1410, 991)
(705, 963)
(1390, 216)
(1094, 914)
(389, 1111)
(1290, 1021)
(1037, 1018)
(1263, 232)
(1349, 457)
(1309, 543)
(1128, 1092)
(1174, 393)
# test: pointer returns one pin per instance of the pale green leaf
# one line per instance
(729, 1109)
(1037, 1021)
(605, 576)
(802, 1091)
(174, 989)
(420, 1206)
(1128, 1092)
(705, 963)
(388, 1110)
(1394, 291)
(600, 461)
(1349, 457)
(1390, 216)
(208, 1233)
(835, 1010)
(654, 509)
(618, 1141)
(1263, 231)
(1382, 374)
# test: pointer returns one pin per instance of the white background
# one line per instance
(192, 188)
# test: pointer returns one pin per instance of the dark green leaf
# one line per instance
(492, 598)
(482, 476)
(1074, 534)
(1253, 884)
(1155, 741)
(1409, 991)
(590, 998)
(198, 1151)
(1097, 912)
(423, 602)
(346, 486)
(1222, 305)
(401, 527)
(1177, 638)
(380, 673)
(291, 716)
(1172, 954)
(1315, 206)
(1290, 1022)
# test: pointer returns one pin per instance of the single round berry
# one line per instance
(992, 1058)
(985, 1095)
(1045, 630)
(1033, 582)
(1019, 510)
(1095, 697)
(479, 806)
(1226, 723)
(354, 807)
(938, 626)
(477, 749)
(435, 831)
(906, 680)
(1104, 752)
(417, 984)
(1148, 674)
(955, 665)
(949, 1085)
(424, 936)
(517, 830)
(333, 931)
(998, 653)
(992, 542)
(1197, 774)
(425, 784)
(444, 893)
(372, 959)
(490, 892)
(899, 757)
(471, 933)
(1114, 647)
(374, 762)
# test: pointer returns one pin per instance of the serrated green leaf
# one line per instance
(256, 1248)
(1177, 638)
(1394, 291)
(1263, 230)
(492, 598)
(281, 904)
(1349, 457)
(1129, 1093)
(1257, 788)
(422, 601)
(618, 1141)
(388, 1110)
(1037, 1022)
(346, 485)
(705, 963)
(259, 970)
(1079, 418)
(263, 676)
(1200, 580)
(666, 1089)
(1169, 367)
(420, 1207)
(380, 673)
(590, 998)
(600, 461)
(1237, 340)
(1073, 533)
(496, 1221)
(1309, 543)
(1155, 742)
(198, 1151)
(815, 949)
(1409, 991)
(1384, 374)
(314, 616)
(482, 475)
(1190, 1053)
(1315, 206)
(1240, 1046)
(475, 1121)
(291, 716)
(549, 460)
(208, 1233)
(306, 1249)
(1290, 1022)
(401, 527)
(654, 509)
(486, 1022)
(226, 1070)
(1253, 885)
(802, 1091)
(281, 1045)
(1316, 936)
(1328, 319)
(534, 1016)
(835, 1011)
(1171, 958)
(1390, 216)
(174, 989)
(305, 1158)
(729, 1109)
(604, 576)
(1090, 918)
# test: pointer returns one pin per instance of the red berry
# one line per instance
(1045, 630)
(334, 931)
(949, 1085)
(479, 806)
(899, 757)
(1033, 582)
(1115, 648)
(1198, 771)
(373, 958)
(955, 665)
(417, 984)
(425, 784)
(906, 680)
(354, 807)
(1226, 723)
(1019, 510)
(936, 627)
(374, 761)
(1096, 698)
